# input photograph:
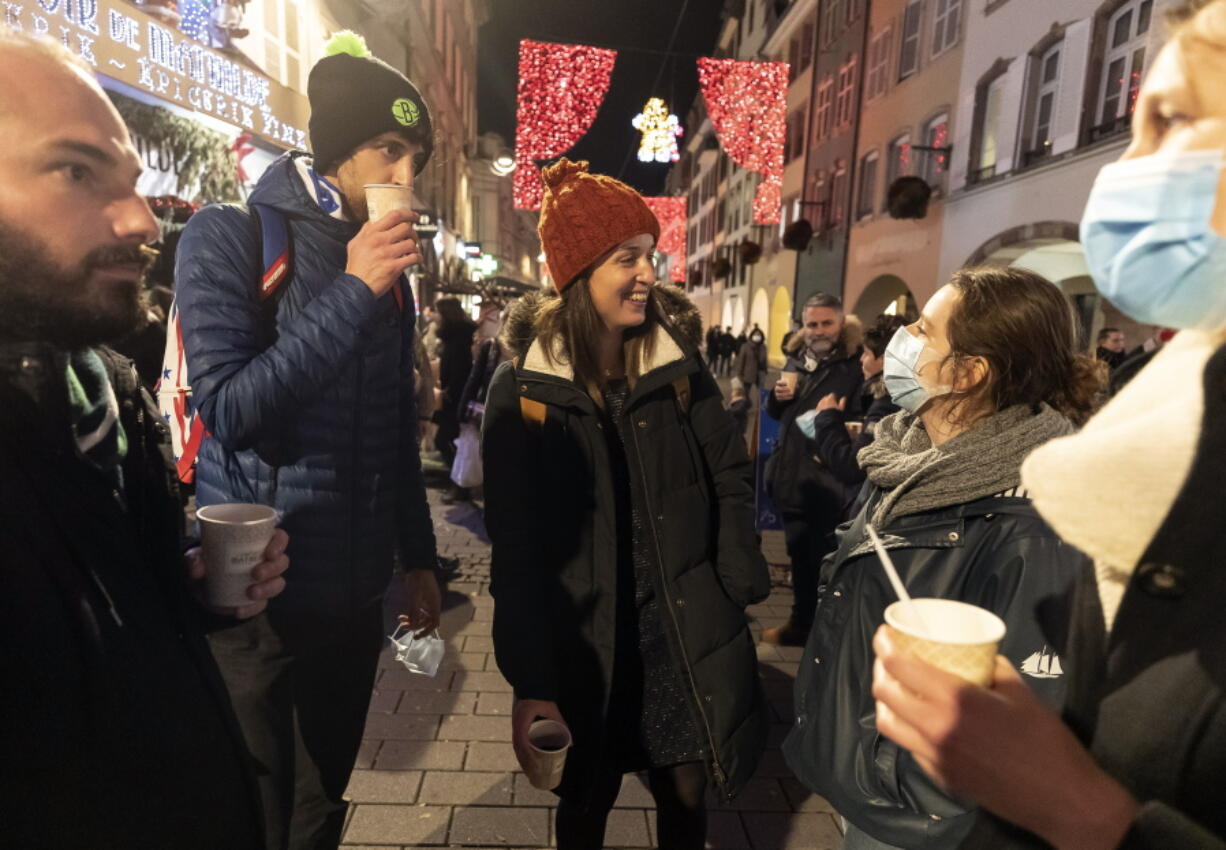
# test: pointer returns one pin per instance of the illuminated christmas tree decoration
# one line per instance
(561, 86)
(660, 130)
(747, 102)
(672, 215)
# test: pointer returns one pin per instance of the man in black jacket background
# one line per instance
(810, 499)
(116, 732)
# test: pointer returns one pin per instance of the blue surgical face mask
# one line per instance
(904, 357)
(1149, 244)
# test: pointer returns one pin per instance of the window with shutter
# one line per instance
(945, 25)
(908, 58)
(1126, 35)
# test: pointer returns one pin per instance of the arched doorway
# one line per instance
(781, 323)
(886, 294)
(759, 313)
(734, 313)
(1051, 249)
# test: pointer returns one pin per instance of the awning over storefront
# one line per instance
(125, 43)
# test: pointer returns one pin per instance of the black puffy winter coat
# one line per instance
(996, 553)
(116, 731)
(320, 424)
(552, 518)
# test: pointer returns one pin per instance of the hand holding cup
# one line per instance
(785, 387)
(383, 249)
(227, 580)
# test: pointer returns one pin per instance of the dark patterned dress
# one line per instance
(651, 720)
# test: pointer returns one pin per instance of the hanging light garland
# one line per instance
(672, 215)
(561, 86)
(747, 102)
(195, 19)
(660, 131)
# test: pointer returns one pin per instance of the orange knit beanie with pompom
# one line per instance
(584, 216)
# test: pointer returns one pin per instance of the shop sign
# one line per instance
(129, 45)
(160, 175)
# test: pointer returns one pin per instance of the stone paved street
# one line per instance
(436, 767)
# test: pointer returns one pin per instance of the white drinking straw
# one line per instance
(899, 588)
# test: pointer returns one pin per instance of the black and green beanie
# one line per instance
(355, 97)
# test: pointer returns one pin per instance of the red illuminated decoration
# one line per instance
(672, 215)
(747, 102)
(561, 86)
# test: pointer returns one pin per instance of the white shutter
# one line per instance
(964, 117)
(1073, 58)
(1007, 130)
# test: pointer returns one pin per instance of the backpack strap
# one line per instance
(533, 413)
(276, 250)
(276, 264)
(681, 388)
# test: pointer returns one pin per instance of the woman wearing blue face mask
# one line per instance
(1141, 760)
(988, 373)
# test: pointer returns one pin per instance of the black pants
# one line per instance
(302, 705)
(681, 813)
(807, 547)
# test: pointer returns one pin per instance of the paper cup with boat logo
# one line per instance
(957, 637)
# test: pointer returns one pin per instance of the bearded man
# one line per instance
(810, 499)
(116, 730)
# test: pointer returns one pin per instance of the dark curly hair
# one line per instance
(1024, 328)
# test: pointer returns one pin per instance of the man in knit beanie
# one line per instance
(309, 408)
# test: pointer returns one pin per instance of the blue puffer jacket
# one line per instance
(320, 423)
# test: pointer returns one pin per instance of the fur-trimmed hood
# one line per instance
(519, 325)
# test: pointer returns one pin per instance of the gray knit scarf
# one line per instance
(917, 476)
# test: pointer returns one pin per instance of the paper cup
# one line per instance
(548, 741)
(382, 198)
(233, 538)
(957, 637)
(790, 378)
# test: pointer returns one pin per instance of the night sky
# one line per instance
(644, 25)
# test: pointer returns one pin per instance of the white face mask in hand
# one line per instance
(419, 655)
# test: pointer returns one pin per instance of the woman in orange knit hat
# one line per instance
(619, 504)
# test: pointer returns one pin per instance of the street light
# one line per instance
(503, 165)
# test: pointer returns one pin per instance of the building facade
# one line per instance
(912, 69)
(792, 39)
(825, 201)
(1046, 94)
(507, 238)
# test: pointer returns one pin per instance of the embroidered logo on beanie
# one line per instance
(406, 112)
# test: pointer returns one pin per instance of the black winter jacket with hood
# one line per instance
(116, 732)
(551, 515)
(996, 553)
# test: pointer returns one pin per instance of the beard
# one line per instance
(819, 346)
(41, 300)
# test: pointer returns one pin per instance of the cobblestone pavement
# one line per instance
(436, 766)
